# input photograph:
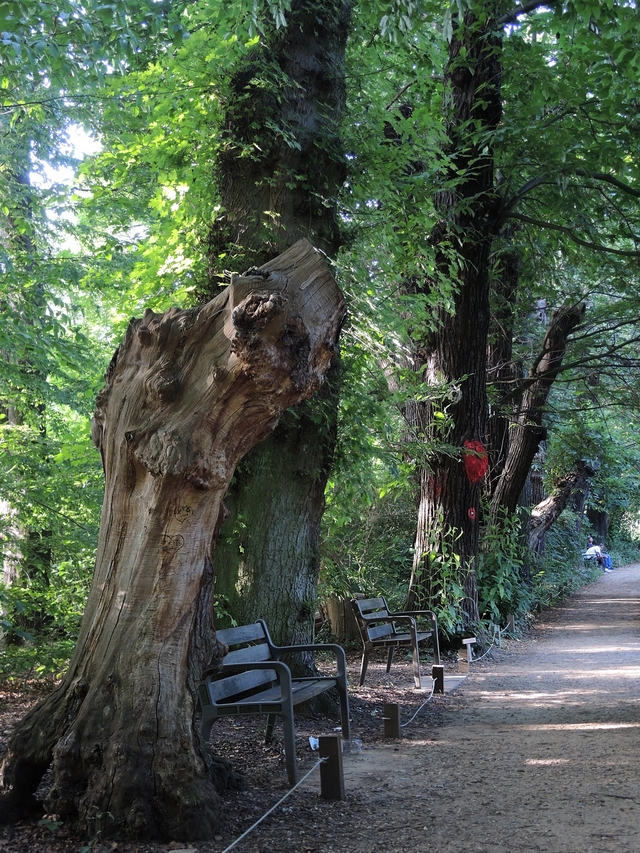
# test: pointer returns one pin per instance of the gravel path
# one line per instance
(540, 749)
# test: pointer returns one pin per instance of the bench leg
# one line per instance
(390, 658)
(206, 726)
(416, 665)
(290, 749)
(436, 643)
(344, 714)
(363, 666)
(268, 734)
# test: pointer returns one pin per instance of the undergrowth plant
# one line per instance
(502, 587)
(561, 571)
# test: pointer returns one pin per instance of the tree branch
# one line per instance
(517, 197)
(582, 173)
(528, 381)
(563, 229)
(512, 16)
(602, 176)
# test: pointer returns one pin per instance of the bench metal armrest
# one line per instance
(403, 618)
(391, 619)
(341, 658)
(413, 613)
(429, 614)
(282, 670)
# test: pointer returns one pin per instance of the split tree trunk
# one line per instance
(187, 394)
(544, 515)
(501, 371)
(528, 431)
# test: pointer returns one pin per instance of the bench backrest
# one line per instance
(247, 644)
(366, 610)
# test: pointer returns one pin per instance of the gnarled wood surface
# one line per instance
(187, 394)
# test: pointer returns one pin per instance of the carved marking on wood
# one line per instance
(171, 544)
(182, 513)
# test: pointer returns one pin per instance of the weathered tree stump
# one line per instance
(187, 394)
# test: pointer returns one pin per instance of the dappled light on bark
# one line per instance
(187, 394)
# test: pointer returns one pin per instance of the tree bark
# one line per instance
(186, 395)
(282, 165)
(546, 513)
(528, 431)
(455, 356)
(274, 576)
(501, 371)
(268, 551)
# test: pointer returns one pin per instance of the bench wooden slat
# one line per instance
(374, 632)
(248, 654)
(403, 639)
(273, 695)
(231, 687)
(379, 603)
(241, 635)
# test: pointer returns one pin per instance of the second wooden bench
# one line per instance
(381, 628)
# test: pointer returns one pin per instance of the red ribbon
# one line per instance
(476, 460)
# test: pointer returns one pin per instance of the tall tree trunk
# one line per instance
(268, 550)
(456, 354)
(282, 164)
(528, 431)
(276, 574)
(187, 394)
(578, 503)
(544, 515)
(501, 371)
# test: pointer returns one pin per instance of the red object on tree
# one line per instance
(476, 460)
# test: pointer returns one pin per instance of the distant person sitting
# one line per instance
(594, 552)
(607, 562)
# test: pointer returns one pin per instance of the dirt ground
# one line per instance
(537, 750)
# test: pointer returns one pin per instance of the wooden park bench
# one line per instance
(378, 628)
(254, 680)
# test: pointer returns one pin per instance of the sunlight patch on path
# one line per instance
(575, 727)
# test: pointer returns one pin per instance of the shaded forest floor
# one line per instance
(538, 750)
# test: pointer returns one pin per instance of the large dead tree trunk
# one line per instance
(544, 515)
(187, 394)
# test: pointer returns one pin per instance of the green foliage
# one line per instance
(71, 43)
(624, 542)
(367, 546)
(445, 593)
(369, 517)
(152, 81)
(502, 587)
(35, 665)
